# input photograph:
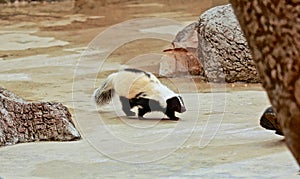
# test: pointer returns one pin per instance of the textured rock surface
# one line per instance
(272, 28)
(270, 121)
(22, 121)
(223, 50)
(185, 54)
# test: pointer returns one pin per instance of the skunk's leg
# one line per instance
(144, 107)
(171, 115)
(126, 106)
(143, 111)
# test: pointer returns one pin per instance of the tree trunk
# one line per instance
(272, 29)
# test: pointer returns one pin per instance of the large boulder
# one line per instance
(22, 121)
(273, 32)
(223, 49)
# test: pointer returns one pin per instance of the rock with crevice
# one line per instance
(223, 49)
(22, 121)
(182, 57)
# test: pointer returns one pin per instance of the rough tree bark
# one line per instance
(272, 29)
(22, 121)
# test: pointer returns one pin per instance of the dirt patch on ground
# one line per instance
(79, 25)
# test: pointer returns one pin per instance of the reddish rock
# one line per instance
(270, 121)
(184, 51)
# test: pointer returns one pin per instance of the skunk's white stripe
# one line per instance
(180, 100)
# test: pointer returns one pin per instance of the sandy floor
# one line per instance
(52, 54)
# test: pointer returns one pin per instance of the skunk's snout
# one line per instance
(183, 109)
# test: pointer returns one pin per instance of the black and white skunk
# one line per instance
(142, 89)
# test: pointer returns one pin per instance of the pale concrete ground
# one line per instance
(209, 143)
(218, 136)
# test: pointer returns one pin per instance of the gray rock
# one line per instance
(223, 49)
(22, 121)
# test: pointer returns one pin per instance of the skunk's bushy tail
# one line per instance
(104, 93)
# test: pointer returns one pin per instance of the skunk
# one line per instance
(142, 89)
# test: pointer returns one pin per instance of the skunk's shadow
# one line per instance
(147, 118)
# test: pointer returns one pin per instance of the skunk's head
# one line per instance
(176, 104)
